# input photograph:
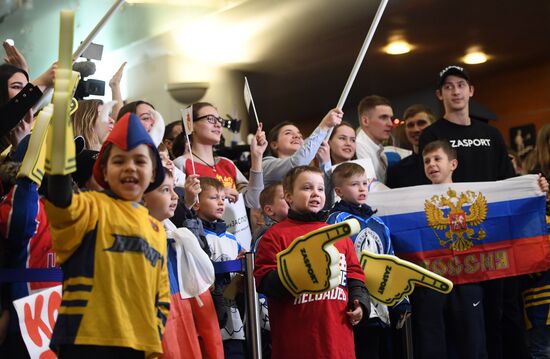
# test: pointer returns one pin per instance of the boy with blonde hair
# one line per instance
(350, 183)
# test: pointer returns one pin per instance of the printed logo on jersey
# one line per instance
(135, 244)
(368, 240)
(338, 293)
(471, 142)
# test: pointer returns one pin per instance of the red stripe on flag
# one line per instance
(489, 261)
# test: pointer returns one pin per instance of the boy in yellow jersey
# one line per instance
(116, 295)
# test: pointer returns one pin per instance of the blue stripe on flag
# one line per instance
(506, 220)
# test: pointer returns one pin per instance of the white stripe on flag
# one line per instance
(411, 199)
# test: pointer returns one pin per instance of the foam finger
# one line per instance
(433, 281)
(333, 233)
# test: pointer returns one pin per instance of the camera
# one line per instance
(89, 87)
(87, 68)
(232, 124)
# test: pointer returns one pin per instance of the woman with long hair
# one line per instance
(207, 131)
(151, 119)
(92, 121)
(17, 97)
(342, 143)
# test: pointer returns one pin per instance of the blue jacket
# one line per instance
(374, 237)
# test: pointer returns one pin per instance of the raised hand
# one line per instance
(114, 82)
(323, 153)
(192, 189)
(311, 263)
(47, 78)
(257, 149)
(543, 183)
(389, 278)
(116, 93)
(332, 118)
(259, 142)
(14, 57)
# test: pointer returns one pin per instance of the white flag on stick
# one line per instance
(248, 100)
(187, 119)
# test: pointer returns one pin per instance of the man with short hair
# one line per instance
(410, 171)
(483, 157)
(375, 120)
(480, 147)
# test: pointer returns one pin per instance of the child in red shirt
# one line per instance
(310, 325)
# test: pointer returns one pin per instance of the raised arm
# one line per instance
(114, 84)
(275, 168)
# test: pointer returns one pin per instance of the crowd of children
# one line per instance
(136, 230)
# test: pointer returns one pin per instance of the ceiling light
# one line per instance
(398, 47)
(475, 56)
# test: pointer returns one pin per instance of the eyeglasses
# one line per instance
(211, 119)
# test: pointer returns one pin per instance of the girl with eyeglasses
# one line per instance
(207, 131)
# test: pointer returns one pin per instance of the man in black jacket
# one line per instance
(483, 157)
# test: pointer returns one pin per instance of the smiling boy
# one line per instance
(116, 295)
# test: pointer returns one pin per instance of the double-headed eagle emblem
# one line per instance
(460, 217)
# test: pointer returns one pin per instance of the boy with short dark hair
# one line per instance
(223, 247)
(116, 295)
(454, 322)
(350, 183)
(440, 161)
(309, 325)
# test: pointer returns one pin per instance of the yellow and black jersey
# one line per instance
(115, 288)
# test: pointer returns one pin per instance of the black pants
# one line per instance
(372, 342)
(505, 330)
(449, 325)
(95, 351)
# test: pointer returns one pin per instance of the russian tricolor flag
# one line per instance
(469, 232)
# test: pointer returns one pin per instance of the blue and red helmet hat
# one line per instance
(127, 134)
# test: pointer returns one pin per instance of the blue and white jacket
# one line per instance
(374, 237)
(224, 247)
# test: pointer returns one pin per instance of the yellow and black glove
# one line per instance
(389, 279)
(311, 264)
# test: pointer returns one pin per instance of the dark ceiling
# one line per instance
(309, 46)
(305, 76)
